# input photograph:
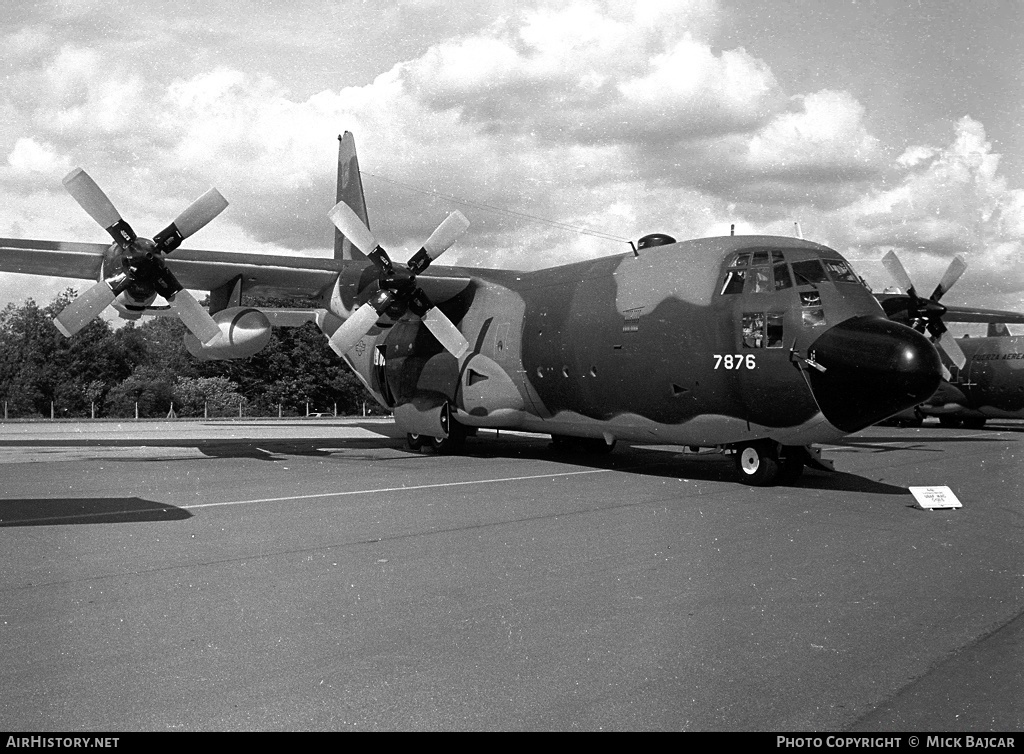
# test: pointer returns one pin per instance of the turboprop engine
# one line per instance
(243, 332)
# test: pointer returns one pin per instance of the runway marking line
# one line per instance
(393, 489)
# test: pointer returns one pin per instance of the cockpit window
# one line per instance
(809, 272)
(840, 271)
(734, 281)
(755, 267)
(782, 278)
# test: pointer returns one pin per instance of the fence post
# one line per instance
(136, 410)
(239, 409)
(206, 409)
(278, 410)
(94, 409)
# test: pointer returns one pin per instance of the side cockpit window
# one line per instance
(760, 271)
(762, 330)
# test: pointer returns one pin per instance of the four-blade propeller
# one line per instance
(926, 313)
(398, 290)
(143, 271)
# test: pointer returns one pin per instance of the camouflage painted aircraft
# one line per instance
(758, 345)
(984, 377)
(990, 385)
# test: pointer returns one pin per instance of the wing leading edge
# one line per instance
(196, 269)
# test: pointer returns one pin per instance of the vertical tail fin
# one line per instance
(350, 191)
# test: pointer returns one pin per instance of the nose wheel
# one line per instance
(763, 462)
(757, 463)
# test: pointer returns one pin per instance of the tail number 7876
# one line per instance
(735, 361)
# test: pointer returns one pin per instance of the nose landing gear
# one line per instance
(761, 463)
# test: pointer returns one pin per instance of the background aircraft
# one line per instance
(760, 345)
(984, 377)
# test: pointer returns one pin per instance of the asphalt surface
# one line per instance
(315, 575)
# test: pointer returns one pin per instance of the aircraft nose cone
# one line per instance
(874, 368)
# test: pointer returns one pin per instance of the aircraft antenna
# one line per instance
(799, 231)
(499, 210)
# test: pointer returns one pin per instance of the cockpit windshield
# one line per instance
(767, 270)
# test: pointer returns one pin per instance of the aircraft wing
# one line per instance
(195, 269)
(263, 274)
(956, 313)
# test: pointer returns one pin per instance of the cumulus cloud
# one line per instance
(627, 118)
(945, 200)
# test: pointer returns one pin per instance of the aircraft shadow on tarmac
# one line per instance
(670, 462)
(660, 461)
(85, 510)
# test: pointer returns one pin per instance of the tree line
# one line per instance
(108, 372)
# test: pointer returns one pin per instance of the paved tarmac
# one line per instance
(315, 575)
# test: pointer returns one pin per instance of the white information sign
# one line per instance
(931, 498)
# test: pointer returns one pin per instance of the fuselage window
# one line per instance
(753, 330)
(809, 272)
(811, 312)
(762, 330)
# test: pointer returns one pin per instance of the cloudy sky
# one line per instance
(876, 124)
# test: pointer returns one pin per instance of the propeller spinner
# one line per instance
(143, 271)
(398, 284)
(926, 313)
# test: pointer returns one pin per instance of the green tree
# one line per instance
(149, 388)
(213, 396)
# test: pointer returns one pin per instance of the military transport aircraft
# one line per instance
(990, 385)
(758, 345)
(984, 377)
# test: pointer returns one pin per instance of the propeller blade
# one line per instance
(952, 349)
(446, 332)
(84, 309)
(953, 272)
(447, 233)
(351, 226)
(895, 268)
(440, 240)
(91, 198)
(196, 318)
(195, 217)
(353, 329)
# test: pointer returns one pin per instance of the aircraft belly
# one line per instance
(705, 430)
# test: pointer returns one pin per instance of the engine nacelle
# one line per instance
(243, 332)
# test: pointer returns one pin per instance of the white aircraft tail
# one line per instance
(350, 191)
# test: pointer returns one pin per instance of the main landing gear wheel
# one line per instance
(757, 463)
(454, 443)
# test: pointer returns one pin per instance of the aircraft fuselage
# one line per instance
(990, 384)
(708, 342)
